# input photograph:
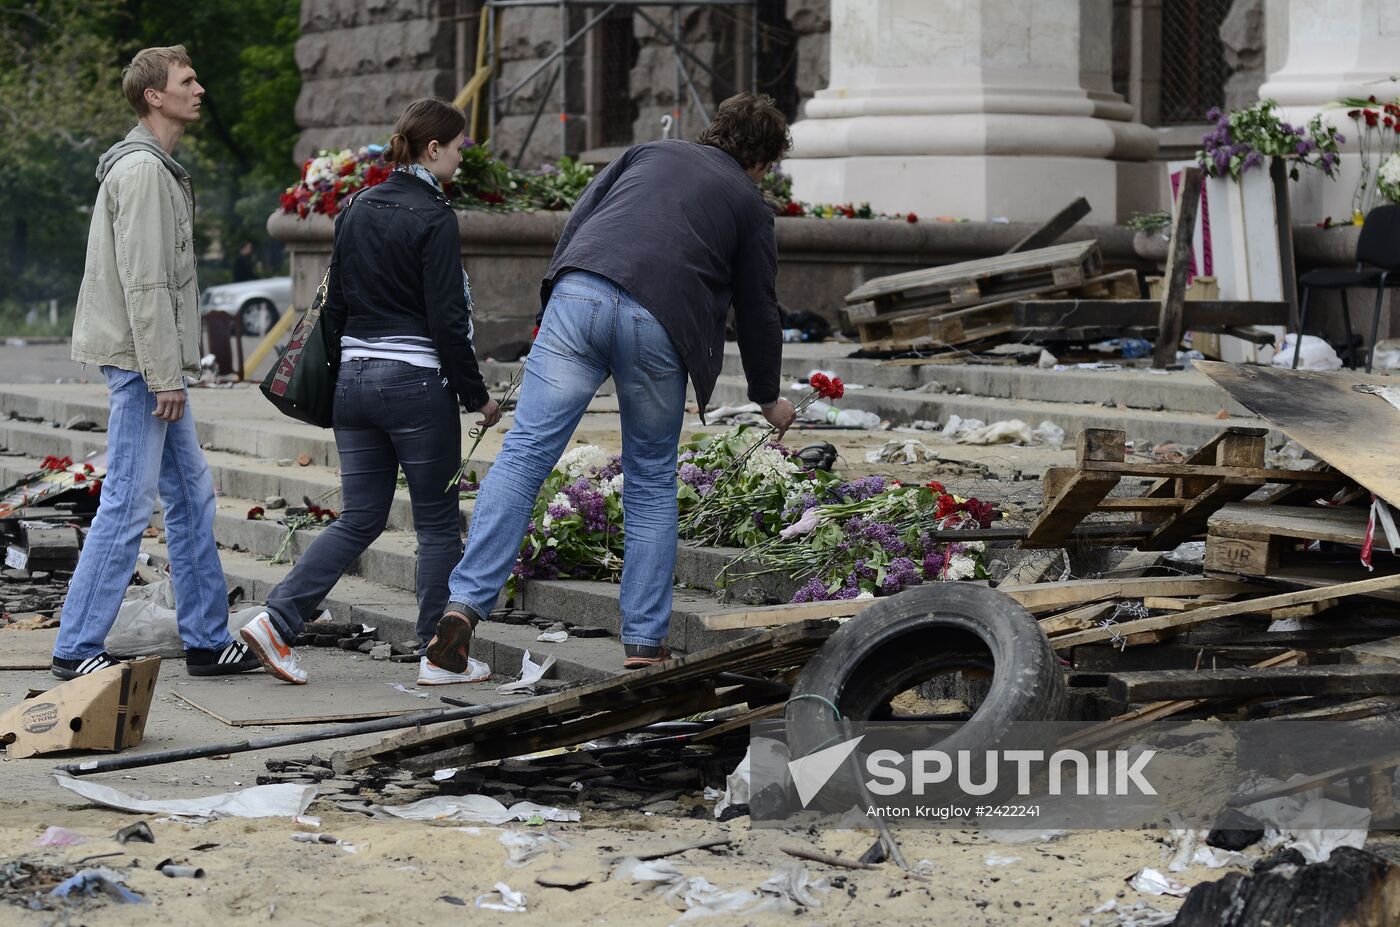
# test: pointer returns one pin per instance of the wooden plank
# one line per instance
(1193, 471)
(1121, 284)
(1283, 227)
(1123, 725)
(1246, 682)
(784, 646)
(742, 721)
(1205, 454)
(267, 701)
(1245, 556)
(1169, 319)
(1085, 616)
(501, 744)
(1146, 313)
(1252, 606)
(1082, 491)
(1054, 227)
(1358, 434)
(1140, 504)
(1191, 520)
(1043, 597)
(1335, 524)
(1079, 253)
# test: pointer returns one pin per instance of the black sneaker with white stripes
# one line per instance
(235, 658)
(72, 669)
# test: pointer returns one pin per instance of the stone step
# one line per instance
(902, 407)
(597, 605)
(394, 612)
(1137, 388)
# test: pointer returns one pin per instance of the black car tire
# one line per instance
(911, 637)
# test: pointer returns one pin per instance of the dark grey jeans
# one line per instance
(388, 415)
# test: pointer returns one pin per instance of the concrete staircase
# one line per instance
(252, 452)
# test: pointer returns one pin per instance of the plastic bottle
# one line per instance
(856, 417)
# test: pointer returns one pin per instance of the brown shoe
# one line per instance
(640, 656)
(452, 643)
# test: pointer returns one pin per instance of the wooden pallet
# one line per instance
(970, 282)
(926, 327)
(1254, 539)
(1179, 505)
(674, 689)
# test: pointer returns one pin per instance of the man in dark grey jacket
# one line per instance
(658, 248)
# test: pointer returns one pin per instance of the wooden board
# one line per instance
(662, 692)
(268, 701)
(1335, 524)
(1196, 314)
(1054, 227)
(1356, 433)
(1252, 606)
(1169, 324)
(27, 650)
(966, 282)
(1242, 682)
(1034, 597)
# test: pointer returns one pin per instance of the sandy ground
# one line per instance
(399, 871)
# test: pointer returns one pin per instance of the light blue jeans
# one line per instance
(145, 454)
(592, 329)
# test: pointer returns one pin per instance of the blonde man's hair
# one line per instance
(150, 70)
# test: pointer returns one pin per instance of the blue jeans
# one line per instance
(591, 329)
(145, 454)
(387, 415)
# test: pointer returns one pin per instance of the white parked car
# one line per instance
(257, 303)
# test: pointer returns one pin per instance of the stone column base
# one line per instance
(981, 187)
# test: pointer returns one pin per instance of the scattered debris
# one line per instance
(261, 801)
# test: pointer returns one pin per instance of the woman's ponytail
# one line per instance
(424, 121)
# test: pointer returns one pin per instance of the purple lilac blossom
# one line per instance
(813, 591)
(900, 572)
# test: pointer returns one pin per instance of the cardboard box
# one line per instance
(106, 710)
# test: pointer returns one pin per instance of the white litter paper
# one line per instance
(400, 687)
(472, 809)
(996, 859)
(1324, 825)
(523, 846)
(905, 451)
(260, 801)
(553, 637)
(509, 900)
(1152, 882)
(530, 673)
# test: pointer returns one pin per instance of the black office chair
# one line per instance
(1378, 247)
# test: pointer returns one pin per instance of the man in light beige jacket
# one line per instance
(138, 320)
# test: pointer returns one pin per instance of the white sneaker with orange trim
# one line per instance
(430, 674)
(277, 657)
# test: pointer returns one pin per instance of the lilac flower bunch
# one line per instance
(1244, 138)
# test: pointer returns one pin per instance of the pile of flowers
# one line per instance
(482, 181)
(777, 189)
(575, 530)
(1242, 139)
(1378, 142)
(847, 538)
(83, 474)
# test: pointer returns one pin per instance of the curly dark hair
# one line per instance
(751, 128)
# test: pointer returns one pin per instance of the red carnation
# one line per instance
(793, 209)
(256, 513)
(911, 218)
(347, 168)
(946, 506)
(820, 382)
(80, 477)
(936, 486)
(837, 388)
(1371, 118)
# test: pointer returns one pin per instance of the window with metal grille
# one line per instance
(1193, 60)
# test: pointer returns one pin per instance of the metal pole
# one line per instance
(398, 722)
(539, 112)
(489, 11)
(753, 47)
(564, 82)
(676, 26)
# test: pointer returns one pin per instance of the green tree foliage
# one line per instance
(52, 128)
(61, 106)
